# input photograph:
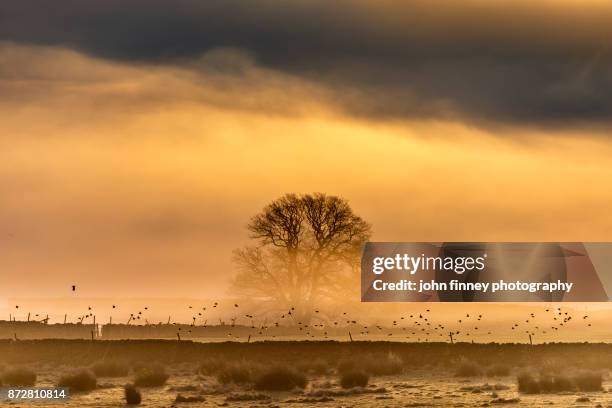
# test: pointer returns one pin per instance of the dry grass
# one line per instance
(19, 377)
(151, 376)
(189, 398)
(413, 355)
(280, 378)
(110, 369)
(374, 364)
(79, 380)
(211, 366)
(554, 383)
(353, 379)
(236, 373)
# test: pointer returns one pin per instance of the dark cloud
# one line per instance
(503, 61)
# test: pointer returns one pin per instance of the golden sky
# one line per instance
(128, 178)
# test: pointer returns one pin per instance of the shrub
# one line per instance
(151, 376)
(354, 379)
(528, 384)
(280, 379)
(584, 381)
(81, 380)
(132, 395)
(555, 383)
(110, 369)
(19, 377)
(211, 366)
(588, 381)
(235, 373)
(468, 368)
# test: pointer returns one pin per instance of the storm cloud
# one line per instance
(509, 62)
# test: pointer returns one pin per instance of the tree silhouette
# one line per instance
(306, 250)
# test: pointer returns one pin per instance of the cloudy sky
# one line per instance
(138, 137)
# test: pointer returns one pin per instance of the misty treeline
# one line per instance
(305, 253)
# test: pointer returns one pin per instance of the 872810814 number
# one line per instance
(34, 394)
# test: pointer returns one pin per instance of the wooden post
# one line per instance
(530, 341)
(249, 339)
(92, 334)
(451, 337)
(350, 337)
(168, 320)
(28, 316)
(65, 316)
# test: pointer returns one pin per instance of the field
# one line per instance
(323, 373)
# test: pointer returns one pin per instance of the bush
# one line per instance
(528, 384)
(555, 383)
(19, 377)
(110, 369)
(132, 395)
(588, 381)
(81, 380)
(235, 374)
(468, 369)
(584, 381)
(353, 379)
(151, 376)
(280, 379)
(211, 366)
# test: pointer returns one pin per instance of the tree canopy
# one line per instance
(306, 250)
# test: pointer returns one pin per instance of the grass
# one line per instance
(189, 398)
(588, 381)
(19, 377)
(373, 358)
(79, 380)
(554, 383)
(280, 378)
(353, 379)
(132, 395)
(211, 366)
(151, 376)
(374, 364)
(110, 369)
(236, 373)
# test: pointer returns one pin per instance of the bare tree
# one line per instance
(306, 250)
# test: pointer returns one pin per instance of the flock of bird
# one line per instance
(421, 326)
